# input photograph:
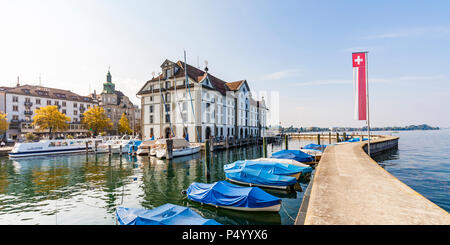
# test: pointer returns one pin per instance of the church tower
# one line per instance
(109, 86)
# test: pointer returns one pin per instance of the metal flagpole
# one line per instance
(367, 98)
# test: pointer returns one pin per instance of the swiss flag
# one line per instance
(360, 85)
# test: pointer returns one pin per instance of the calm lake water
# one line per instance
(80, 189)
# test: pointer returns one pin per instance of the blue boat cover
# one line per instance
(293, 154)
(167, 214)
(135, 146)
(270, 167)
(255, 176)
(315, 147)
(355, 140)
(223, 193)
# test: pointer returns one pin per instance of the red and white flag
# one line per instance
(360, 85)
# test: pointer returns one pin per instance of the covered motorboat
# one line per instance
(276, 168)
(181, 147)
(297, 155)
(144, 147)
(226, 195)
(258, 177)
(314, 147)
(167, 214)
(307, 169)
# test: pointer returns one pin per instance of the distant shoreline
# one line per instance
(349, 129)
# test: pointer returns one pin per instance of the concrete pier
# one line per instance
(350, 188)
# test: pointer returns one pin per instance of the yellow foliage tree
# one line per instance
(95, 120)
(50, 118)
(124, 125)
(3, 123)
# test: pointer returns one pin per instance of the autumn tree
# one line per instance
(124, 125)
(50, 118)
(3, 125)
(95, 120)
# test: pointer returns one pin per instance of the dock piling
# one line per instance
(87, 147)
(286, 141)
(169, 149)
(318, 139)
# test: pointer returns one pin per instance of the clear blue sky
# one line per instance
(301, 49)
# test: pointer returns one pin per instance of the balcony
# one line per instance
(28, 104)
(28, 113)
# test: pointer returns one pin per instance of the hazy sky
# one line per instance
(300, 49)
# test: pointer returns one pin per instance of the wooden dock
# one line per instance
(350, 188)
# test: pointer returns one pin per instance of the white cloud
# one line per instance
(409, 33)
(289, 73)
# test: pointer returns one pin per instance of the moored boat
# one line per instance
(306, 172)
(167, 214)
(180, 147)
(51, 147)
(276, 168)
(293, 154)
(229, 196)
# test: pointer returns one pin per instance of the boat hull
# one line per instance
(274, 208)
(259, 185)
(160, 154)
(52, 152)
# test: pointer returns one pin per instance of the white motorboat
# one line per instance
(145, 147)
(52, 147)
(181, 147)
(188, 150)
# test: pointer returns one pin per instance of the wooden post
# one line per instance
(318, 139)
(96, 143)
(211, 139)
(226, 142)
(87, 147)
(207, 148)
(264, 147)
(329, 137)
(286, 141)
(345, 136)
(337, 137)
(169, 149)
(120, 150)
(109, 149)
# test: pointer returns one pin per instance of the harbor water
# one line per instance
(86, 189)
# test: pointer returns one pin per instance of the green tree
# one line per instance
(50, 118)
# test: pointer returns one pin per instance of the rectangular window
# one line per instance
(64, 103)
(15, 108)
(15, 117)
(75, 112)
(151, 109)
(75, 104)
(151, 118)
(64, 111)
(38, 101)
(15, 99)
(27, 100)
(167, 118)
(151, 98)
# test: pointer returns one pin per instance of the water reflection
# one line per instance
(86, 189)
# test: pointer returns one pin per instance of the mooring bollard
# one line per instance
(169, 149)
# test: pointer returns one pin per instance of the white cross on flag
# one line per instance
(360, 85)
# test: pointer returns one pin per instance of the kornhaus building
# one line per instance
(204, 106)
(115, 103)
(19, 103)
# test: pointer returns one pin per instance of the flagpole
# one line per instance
(367, 94)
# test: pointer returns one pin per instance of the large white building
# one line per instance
(20, 102)
(208, 106)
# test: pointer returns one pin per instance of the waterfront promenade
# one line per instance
(350, 188)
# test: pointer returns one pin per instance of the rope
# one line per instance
(287, 213)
